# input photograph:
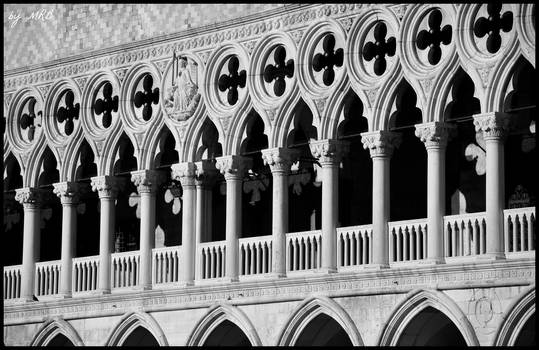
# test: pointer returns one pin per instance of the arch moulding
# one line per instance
(129, 322)
(51, 328)
(516, 316)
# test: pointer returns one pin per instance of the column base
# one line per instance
(326, 270)
(229, 279)
(66, 295)
(276, 275)
(432, 261)
(101, 292)
(143, 288)
(491, 256)
(376, 266)
(185, 283)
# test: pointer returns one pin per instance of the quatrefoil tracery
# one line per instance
(493, 25)
(147, 97)
(434, 37)
(27, 119)
(233, 80)
(107, 105)
(279, 71)
(68, 113)
(328, 60)
(380, 48)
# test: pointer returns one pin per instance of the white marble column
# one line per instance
(30, 198)
(280, 160)
(146, 182)
(435, 136)
(233, 168)
(329, 153)
(380, 144)
(107, 189)
(68, 193)
(494, 127)
(185, 173)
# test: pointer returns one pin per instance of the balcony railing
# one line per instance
(85, 272)
(407, 240)
(465, 234)
(47, 278)
(354, 246)
(212, 257)
(165, 265)
(12, 282)
(255, 255)
(303, 250)
(519, 230)
(125, 269)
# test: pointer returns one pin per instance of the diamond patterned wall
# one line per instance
(78, 28)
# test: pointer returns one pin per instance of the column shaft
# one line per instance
(106, 238)
(435, 203)
(380, 210)
(147, 237)
(69, 229)
(233, 224)
(187, 269)
(30, 253)
(330, 212)
(279, 222)
(494, 197)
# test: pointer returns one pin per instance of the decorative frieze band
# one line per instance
(494, 125)
(434, 134)
(280, 159)
(381, 143)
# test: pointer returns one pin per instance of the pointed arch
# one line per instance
(47, 159)
(514, 319)
(285, 118)
(53, 327)
(308, 310)
(240, 128)
(217, 314)
(164, 138)
(129, 322)
(109, 154)
(69, 171)
(414, 303)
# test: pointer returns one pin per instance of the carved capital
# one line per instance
(67, 191)
(329, 151)
(434, 134)
(380, 143)
(206, 173)
(106, 186)
(146, 180)
(494, 125)
(233, 167)
(29, 197)
(184, 172)
(280, 159)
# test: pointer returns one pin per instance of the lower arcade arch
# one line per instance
(137, 329)
(518, 326)
(227, 333)
(56, 332)
(427, 318)
(320, 321)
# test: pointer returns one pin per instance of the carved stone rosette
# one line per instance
(206, 173)
(494, 125)
(233, 167)
(29, 197)
(280, 159)
(106, 186)
(184, 172)
(329, 152)
(67, 191)
(146, 181)
(381, 143)
(434, 135)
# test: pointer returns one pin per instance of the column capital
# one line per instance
(493, 125)
(329, 151)
(67, 191)
(106, 186)
(184, 172)
(434, 135)
(146, 181)
(233, 167)
(381, 143)
(280, 159)
(29, 197)
(206, 173)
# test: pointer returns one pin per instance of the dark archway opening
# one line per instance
(60, 340)
(140, 337)
(408, 170)
(227, 334)
(526, 337)
(465, 153)
(305, 186)
(323, 330)
(355, 176)
(13, 214)
(431, 328)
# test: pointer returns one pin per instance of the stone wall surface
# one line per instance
(71, 29)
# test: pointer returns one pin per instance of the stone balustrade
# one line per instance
(85, 271)
(519, 225)
(212, 256)
(165, 265)
(303, 250)
(12, 282)
(465, 234)
(407, 240)
(255, 255)
(47, 278)
(125, 269)
(354, 246)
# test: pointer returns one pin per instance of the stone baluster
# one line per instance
(329, 153)
(185, 173)
(494, 127)
(435, 136)
(146, 182)
(69, 197)
(30, 198)
(280, 160)
(381, 145)
(107, 189)
(233, 168)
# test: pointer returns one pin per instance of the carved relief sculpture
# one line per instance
(183, 97)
